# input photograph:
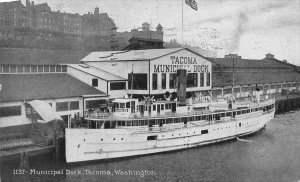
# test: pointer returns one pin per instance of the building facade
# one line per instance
(154, 71)
(33, 24)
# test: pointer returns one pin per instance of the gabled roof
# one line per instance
(248, 63)
(146, 54)
(23, 56)
(97, 72)
(20, 87)
(220, 79)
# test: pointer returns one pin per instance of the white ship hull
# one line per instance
(95, 144)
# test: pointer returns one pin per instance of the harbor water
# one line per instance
(272, 154)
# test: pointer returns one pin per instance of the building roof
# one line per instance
(146, 54)
(248, 63)
(221, 79)
(23, 56)
(24, 87)
(146, 39)
(97, 72)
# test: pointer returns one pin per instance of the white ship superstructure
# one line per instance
(139, 128)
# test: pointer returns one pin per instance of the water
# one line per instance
(272, 154)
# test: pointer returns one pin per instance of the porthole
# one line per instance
(114, 139)
(121, 138)
(101, 139)
(179, 134)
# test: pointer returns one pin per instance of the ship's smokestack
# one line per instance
(181, 91)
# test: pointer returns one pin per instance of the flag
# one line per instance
(192, 4)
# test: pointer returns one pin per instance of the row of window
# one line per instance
(10, 111)
(191, 80)
(211, 117)
(139, 81)
(32, 68)
(66, 106)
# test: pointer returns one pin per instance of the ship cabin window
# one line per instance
(109, 124)
(204, 131)
(146, 108)
(154, 107)
(162, 107)
(136, 122)
(239, 112)
(169, 120)
(248, 110)
(243, 111)
(184, 120)
(198, 118)
(252, 110)
(151, 122)
(127, 104)
(228, 114)
(234, 114)
(128, 123)
(203, 117)
(153, 137)
(217, 117)
(176, 120)
(121, 123)
(210, 117)
(192, 118)
(168, 106)
(142, 122)
(222, 115)
(240, 124)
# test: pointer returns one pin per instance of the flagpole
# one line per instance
(182, 21)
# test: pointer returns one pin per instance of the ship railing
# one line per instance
(97, 115)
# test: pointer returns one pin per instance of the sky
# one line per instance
(250, 28)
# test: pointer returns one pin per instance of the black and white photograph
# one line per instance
(149, 90)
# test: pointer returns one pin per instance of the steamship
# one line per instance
(151, 126)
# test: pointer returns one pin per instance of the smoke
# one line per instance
(238, 32)
(241, 20)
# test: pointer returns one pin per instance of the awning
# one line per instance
(46, 112)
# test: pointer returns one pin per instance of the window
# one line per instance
(162, 107)
(10, 111)
(163, 80)
(95, 82)
(192, 80)
(153, 137)
(154, 81)
(33, 69)
(64, 68)
(52, 68)
(154, 107)
(172, 80)
(13, 69)
(62, 106)
(40, 69)
(20, 69)
(5, 69)
(139, 81)
(208, 79)
(27, 69)
(46, 69)
(118, 86)
(201, 79)
(74, 105)
(204, 131)
(58, 68)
